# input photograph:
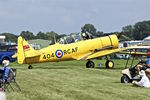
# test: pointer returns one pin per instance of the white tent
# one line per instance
(2, 39)
(146, 40)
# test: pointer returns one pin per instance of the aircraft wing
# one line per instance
(110, 51)
(133, 53)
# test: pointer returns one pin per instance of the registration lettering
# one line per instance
(70, 51)
(48, 56)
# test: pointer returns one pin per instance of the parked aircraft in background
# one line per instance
(74, 47)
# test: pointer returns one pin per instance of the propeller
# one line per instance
(119, 35)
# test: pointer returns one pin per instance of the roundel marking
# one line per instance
(59, 53)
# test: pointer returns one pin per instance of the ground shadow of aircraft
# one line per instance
(54, 67)
(120, 68)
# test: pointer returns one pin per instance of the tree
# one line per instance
(27, 35)
(99, 33)
(141, 30)
(138, 31)
(41, 35)
(128, 31)
(89, 28)
(51, 35)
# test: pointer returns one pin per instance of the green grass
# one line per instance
(70, 80)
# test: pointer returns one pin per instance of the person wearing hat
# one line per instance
(4, 71)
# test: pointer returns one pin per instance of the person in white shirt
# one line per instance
(144, 82)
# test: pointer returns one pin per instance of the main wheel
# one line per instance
(109, 64)
(29, 67)
(90, 64)
(125, 79)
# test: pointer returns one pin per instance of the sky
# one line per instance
(68, 16)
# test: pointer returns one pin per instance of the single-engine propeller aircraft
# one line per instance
(74, 47)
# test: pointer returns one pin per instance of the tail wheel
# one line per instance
(90, 64)
(109, 64)
(29, 67)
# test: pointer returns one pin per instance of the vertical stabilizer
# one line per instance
(23, 49)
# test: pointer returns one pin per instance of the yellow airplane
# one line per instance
(73, 47)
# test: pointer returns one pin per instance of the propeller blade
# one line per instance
(120, 34)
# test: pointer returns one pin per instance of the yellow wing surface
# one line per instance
(111, 51)
(133, 53)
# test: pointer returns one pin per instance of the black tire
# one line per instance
(90, 64)
(125, 79)
(29, 67)
(109, 64)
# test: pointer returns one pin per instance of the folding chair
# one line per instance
(11, 79)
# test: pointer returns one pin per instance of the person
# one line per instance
(144, 65)
(141, 66)
(86, 35)
(148, 66)
(144, 82)
(4, 71)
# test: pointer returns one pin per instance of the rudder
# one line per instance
(23, 49)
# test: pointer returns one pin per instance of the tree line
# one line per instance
(135, 32)
(138, 31)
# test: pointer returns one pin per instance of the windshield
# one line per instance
(77, 38)
(70, 39)
(62, 41)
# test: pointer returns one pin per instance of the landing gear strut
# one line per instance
(90, 64)
(109, 64)
(30, 67)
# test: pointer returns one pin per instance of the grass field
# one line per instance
(70, 80)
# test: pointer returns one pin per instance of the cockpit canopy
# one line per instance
(70, 39)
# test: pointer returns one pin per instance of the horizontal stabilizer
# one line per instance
(25, 51)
